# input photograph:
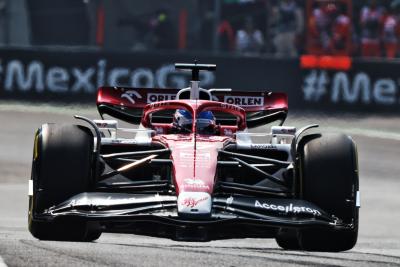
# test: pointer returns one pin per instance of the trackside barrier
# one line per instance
(74, 75)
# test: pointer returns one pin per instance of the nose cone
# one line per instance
(194, 204)
(195, 164)
(194, 171)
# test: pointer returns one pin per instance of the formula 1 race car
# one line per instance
(192, 171)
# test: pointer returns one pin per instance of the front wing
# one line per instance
(157, 215)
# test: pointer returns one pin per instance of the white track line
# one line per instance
(2, 263)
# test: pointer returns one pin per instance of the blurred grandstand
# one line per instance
(249, 27)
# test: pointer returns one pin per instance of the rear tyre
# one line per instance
(61, 168)
(329, 177)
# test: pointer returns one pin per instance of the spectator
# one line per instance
(391, 30)
(341, 33)
(163, 32)
(289, 24)
(320, 26)
(249, 40)
(371, 19)
(226, 36)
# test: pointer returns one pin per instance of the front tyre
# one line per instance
(329, 179)
(288, 239)
(61, 168)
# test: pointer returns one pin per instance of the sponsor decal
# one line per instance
(228, 132)
(130, 94)
(192, 202)
(200, 156)
(263, 146)
(159, 130)
(110, 140)
(19, 75)
(190, 183)
(229, 106)
(151, 97)
(249, 101)
(158, 105)
(106, 123)
(106, 202)
(340, 87)
(287, 208)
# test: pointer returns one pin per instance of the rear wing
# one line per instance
(128, 103)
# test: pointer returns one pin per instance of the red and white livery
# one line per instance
(161, 179)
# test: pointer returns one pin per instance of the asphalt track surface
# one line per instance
(378, 140)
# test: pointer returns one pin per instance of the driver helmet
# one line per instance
(183, 120)
(206, 123)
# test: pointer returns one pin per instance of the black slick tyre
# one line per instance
(61, 168)
(329, 179)
(288, 239)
